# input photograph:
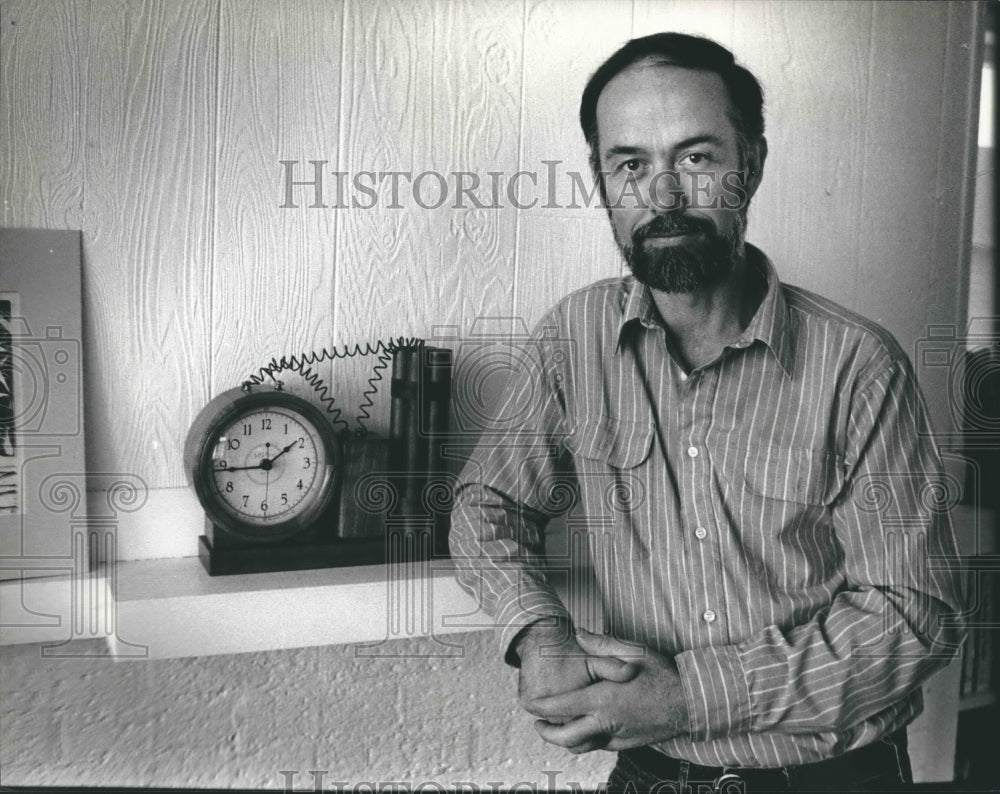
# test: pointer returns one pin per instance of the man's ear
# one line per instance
(755, 165)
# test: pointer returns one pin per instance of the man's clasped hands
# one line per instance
(595, 692)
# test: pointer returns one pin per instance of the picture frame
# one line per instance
(42, 451)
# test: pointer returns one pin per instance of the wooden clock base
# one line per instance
(398, 541)
(299, 557)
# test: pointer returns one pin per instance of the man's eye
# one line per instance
(632, 165)
(695, 158)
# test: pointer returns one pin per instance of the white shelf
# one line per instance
(172, 608)
(54, 610)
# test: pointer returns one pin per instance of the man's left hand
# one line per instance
(615, 716)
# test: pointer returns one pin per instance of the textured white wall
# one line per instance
(237, 721)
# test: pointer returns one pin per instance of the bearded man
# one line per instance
(766, 629)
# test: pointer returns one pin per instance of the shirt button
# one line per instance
(692, 452)
(708, 616)
(700, 533)
(684, 376)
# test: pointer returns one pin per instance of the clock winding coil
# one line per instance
(303, 364)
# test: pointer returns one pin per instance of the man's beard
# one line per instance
(688, 265)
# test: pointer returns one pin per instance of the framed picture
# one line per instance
(42, 465)
(9, 466)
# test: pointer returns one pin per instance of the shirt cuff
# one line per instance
(715, 688)
(521, 611)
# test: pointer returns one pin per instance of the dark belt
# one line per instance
(838, 773)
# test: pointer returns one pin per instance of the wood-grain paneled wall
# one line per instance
(158, 127)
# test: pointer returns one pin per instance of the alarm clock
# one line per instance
(267, 468)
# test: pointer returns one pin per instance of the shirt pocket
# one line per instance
(610, 460)
(617, 443)
(780, 508)
(813, 477)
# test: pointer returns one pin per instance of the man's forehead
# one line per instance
(650, 94)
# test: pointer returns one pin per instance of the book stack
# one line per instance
(420, 409)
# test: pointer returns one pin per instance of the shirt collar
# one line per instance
(771, 323)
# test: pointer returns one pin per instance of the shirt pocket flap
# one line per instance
(617, 442)
(804, 476)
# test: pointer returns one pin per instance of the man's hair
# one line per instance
(690, 52)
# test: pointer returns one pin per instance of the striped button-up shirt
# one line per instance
(776, 520)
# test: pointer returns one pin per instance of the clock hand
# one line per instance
(284, 451)
(243, 468)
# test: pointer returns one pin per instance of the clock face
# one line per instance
(267, 465)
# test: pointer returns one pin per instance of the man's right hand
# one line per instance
(552, 663)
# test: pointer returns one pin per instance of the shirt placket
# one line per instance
(708, 620)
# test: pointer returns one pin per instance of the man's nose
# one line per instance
(668, 192)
